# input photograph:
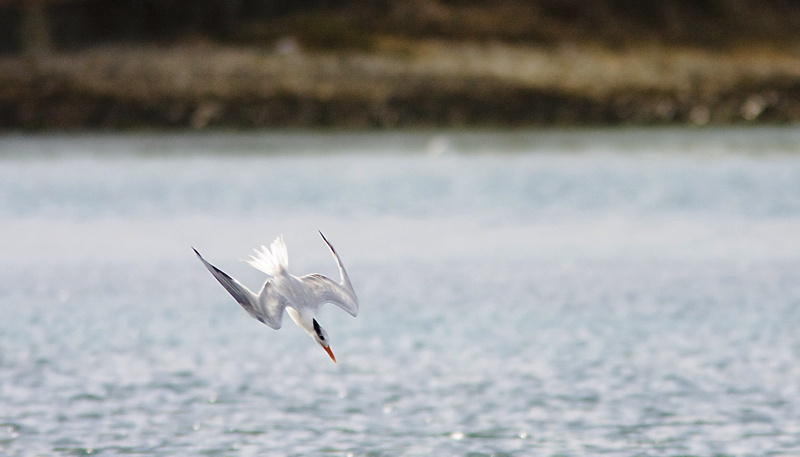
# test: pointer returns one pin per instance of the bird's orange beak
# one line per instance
(330, 353)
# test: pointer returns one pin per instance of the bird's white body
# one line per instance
(303, 302)
(301, 297)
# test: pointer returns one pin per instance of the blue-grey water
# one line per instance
(567, 293)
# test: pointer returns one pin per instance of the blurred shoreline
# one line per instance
(399, 83)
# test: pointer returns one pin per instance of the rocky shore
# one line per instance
(397, 83)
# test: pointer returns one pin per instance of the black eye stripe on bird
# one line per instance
(300, 297)
(317, 329)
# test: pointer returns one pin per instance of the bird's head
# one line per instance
(321, 337)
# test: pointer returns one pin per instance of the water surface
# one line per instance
(526, 293)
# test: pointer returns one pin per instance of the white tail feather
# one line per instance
(273, 261)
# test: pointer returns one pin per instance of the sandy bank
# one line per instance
(402, 83)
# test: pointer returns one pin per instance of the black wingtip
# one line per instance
(195, 251)
(326, 241)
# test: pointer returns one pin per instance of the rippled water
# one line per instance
(557, 294)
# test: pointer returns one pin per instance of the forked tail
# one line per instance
(273, 261)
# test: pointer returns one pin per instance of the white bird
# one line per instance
(300, 297)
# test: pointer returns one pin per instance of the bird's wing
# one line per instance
(249, 301)
(344, 291)
(270, 306)
(327, 291)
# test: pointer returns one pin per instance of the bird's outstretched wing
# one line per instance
(342, 294)
(328, 291)
(267, 307)
(271, 305)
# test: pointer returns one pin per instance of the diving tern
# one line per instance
(300, 297)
